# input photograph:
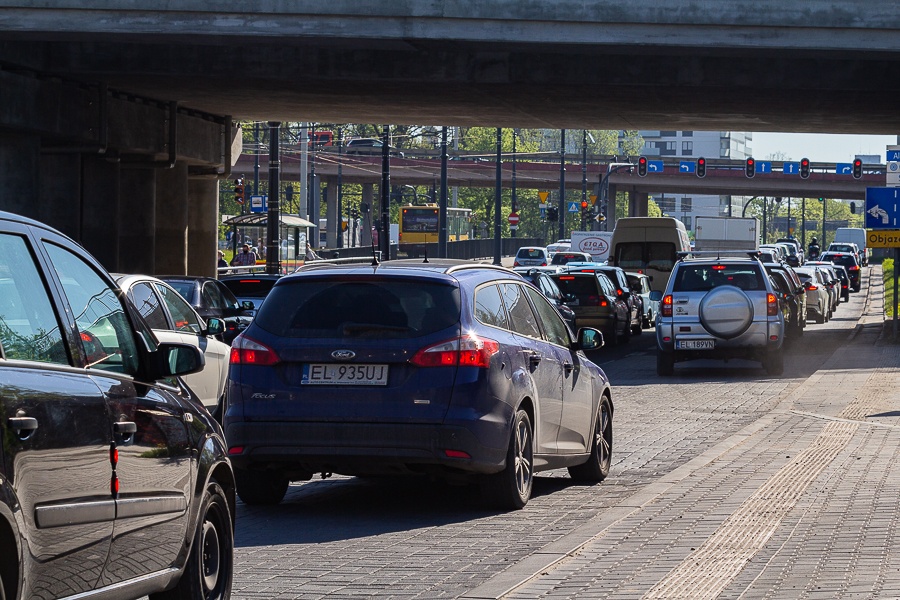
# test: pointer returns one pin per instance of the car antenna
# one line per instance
(426, 255)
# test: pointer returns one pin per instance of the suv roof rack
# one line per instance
(717, 254)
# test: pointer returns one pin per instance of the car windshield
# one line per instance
(338, 308)
(695, 278)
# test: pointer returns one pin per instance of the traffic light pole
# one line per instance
(498, 205)
(562, 184)
(273, 245)
(442, 207)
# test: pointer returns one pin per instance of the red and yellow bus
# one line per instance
(419, 225)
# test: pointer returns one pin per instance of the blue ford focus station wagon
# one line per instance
(447, 368)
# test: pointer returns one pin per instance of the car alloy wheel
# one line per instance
(511, 487)
(596, 468)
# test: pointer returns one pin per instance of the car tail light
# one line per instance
(854, 268)
(598, 300)
(457, 454)
(516, 263)
(567, 278)
(718, 267)
(810, 287)
(464, 351)
(236, 450)
(771, 305)
(667, 306)
(619, 292)
(245, 351)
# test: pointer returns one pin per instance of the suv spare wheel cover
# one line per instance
(726, 311)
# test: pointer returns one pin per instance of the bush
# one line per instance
(887, 268)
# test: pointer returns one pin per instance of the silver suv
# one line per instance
(719, 308)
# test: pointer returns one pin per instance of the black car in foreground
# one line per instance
(114, 480)
(451, 369)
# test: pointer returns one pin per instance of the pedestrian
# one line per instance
(814, 249)
(222, 261)
(311, 254)
(244, 258)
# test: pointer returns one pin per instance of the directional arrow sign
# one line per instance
(655, 166)
(882, 208)
(763, 166)
(790, 168)
(844, 169)
(686, 166)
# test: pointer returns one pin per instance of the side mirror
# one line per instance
(176, 359)
(656, 295)
(247, 305)
(214, 326)
(589, 339)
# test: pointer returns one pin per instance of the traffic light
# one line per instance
(857, 168)
(552, 213)
(701, 167)
(642, 166)
(239, 190)
(852, 208)
(750, 167)
(804, 168)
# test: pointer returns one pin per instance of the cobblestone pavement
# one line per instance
(725, 483)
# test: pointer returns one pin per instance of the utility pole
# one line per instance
(442, 206)
(562, 184)
(498, 206)
(273, 245)
(340, 190)
(512, 230)
(385, 238)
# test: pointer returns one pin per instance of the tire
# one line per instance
(639, 328)
(511, 487)
(626, 332)
(596, 468)
(820, 318)
(774, 362)
(210, 565)
(260, 487)
(665, 363)
(611, 337)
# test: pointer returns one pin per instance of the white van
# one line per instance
(856, 235)
(649, 245)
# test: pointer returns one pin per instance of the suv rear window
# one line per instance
(386, 308)
(584, 287)
(530, 253)
(702, 278)
(846, 260)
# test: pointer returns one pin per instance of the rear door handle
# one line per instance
(567, 367)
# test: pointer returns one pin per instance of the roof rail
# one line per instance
(716, 253)
(455, 268)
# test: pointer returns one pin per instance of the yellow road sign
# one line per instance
(883, 238)
(593, 198)
(543, 196)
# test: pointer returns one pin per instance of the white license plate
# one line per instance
(336, 374)
(695, 344)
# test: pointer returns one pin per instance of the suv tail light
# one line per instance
(464, 351)
(854, 268)
(666, 306)
(771, 305)
(597, 300)
(245, 351)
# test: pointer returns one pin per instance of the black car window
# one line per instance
(29, 329)
(846, 260)
(386, 308)
(489, 307)
(583, 287)
(211, 297)
(185, 288)
(549, 288)
(521, 318)
(184, 316)
(555, 331)
(147, 303)
(606, 285)
(106, 333)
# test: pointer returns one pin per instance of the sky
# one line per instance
(820, 147)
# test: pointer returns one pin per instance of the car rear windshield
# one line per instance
(561, 258)
(340, 308)
(645, 255)
(698, 278)
(250, 287)
(530, 253)
(582, 286)
(845, 260)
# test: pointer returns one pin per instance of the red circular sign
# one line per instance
(513, 219)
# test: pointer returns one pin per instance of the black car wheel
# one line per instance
(665, 363)
(208, 573)
(596, 468)
(260, 487)
(626, 331)
(774, 362)
(511, 487)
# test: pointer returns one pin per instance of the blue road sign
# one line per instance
(790, 168)
(843, 169)
(573, 207)
(655, 166)
(763, 166)
(882, 208)
(893, 155)
(686, 166)
(259, 204)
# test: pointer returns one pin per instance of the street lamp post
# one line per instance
(604, 188)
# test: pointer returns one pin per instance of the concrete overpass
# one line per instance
(88, 92)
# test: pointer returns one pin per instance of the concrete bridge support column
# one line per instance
(638, 203)
(100, 209)
(331, 214)
(203, 223)
(365, 227)
(20, 160)
(61, 196)
(137, 221)
(611, 204)
(172, 220)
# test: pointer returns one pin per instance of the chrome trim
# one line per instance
(61, 515)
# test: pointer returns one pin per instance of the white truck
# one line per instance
(725, 233)
(856, 235)
(595, 243)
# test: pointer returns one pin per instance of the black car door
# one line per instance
(54, 432)
(150, 450)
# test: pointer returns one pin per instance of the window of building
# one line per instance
(687, 221)
(687, 134)
(687, 148)
(668, 133)
(686, 204)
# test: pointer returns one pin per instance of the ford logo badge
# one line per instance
(343, 354)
